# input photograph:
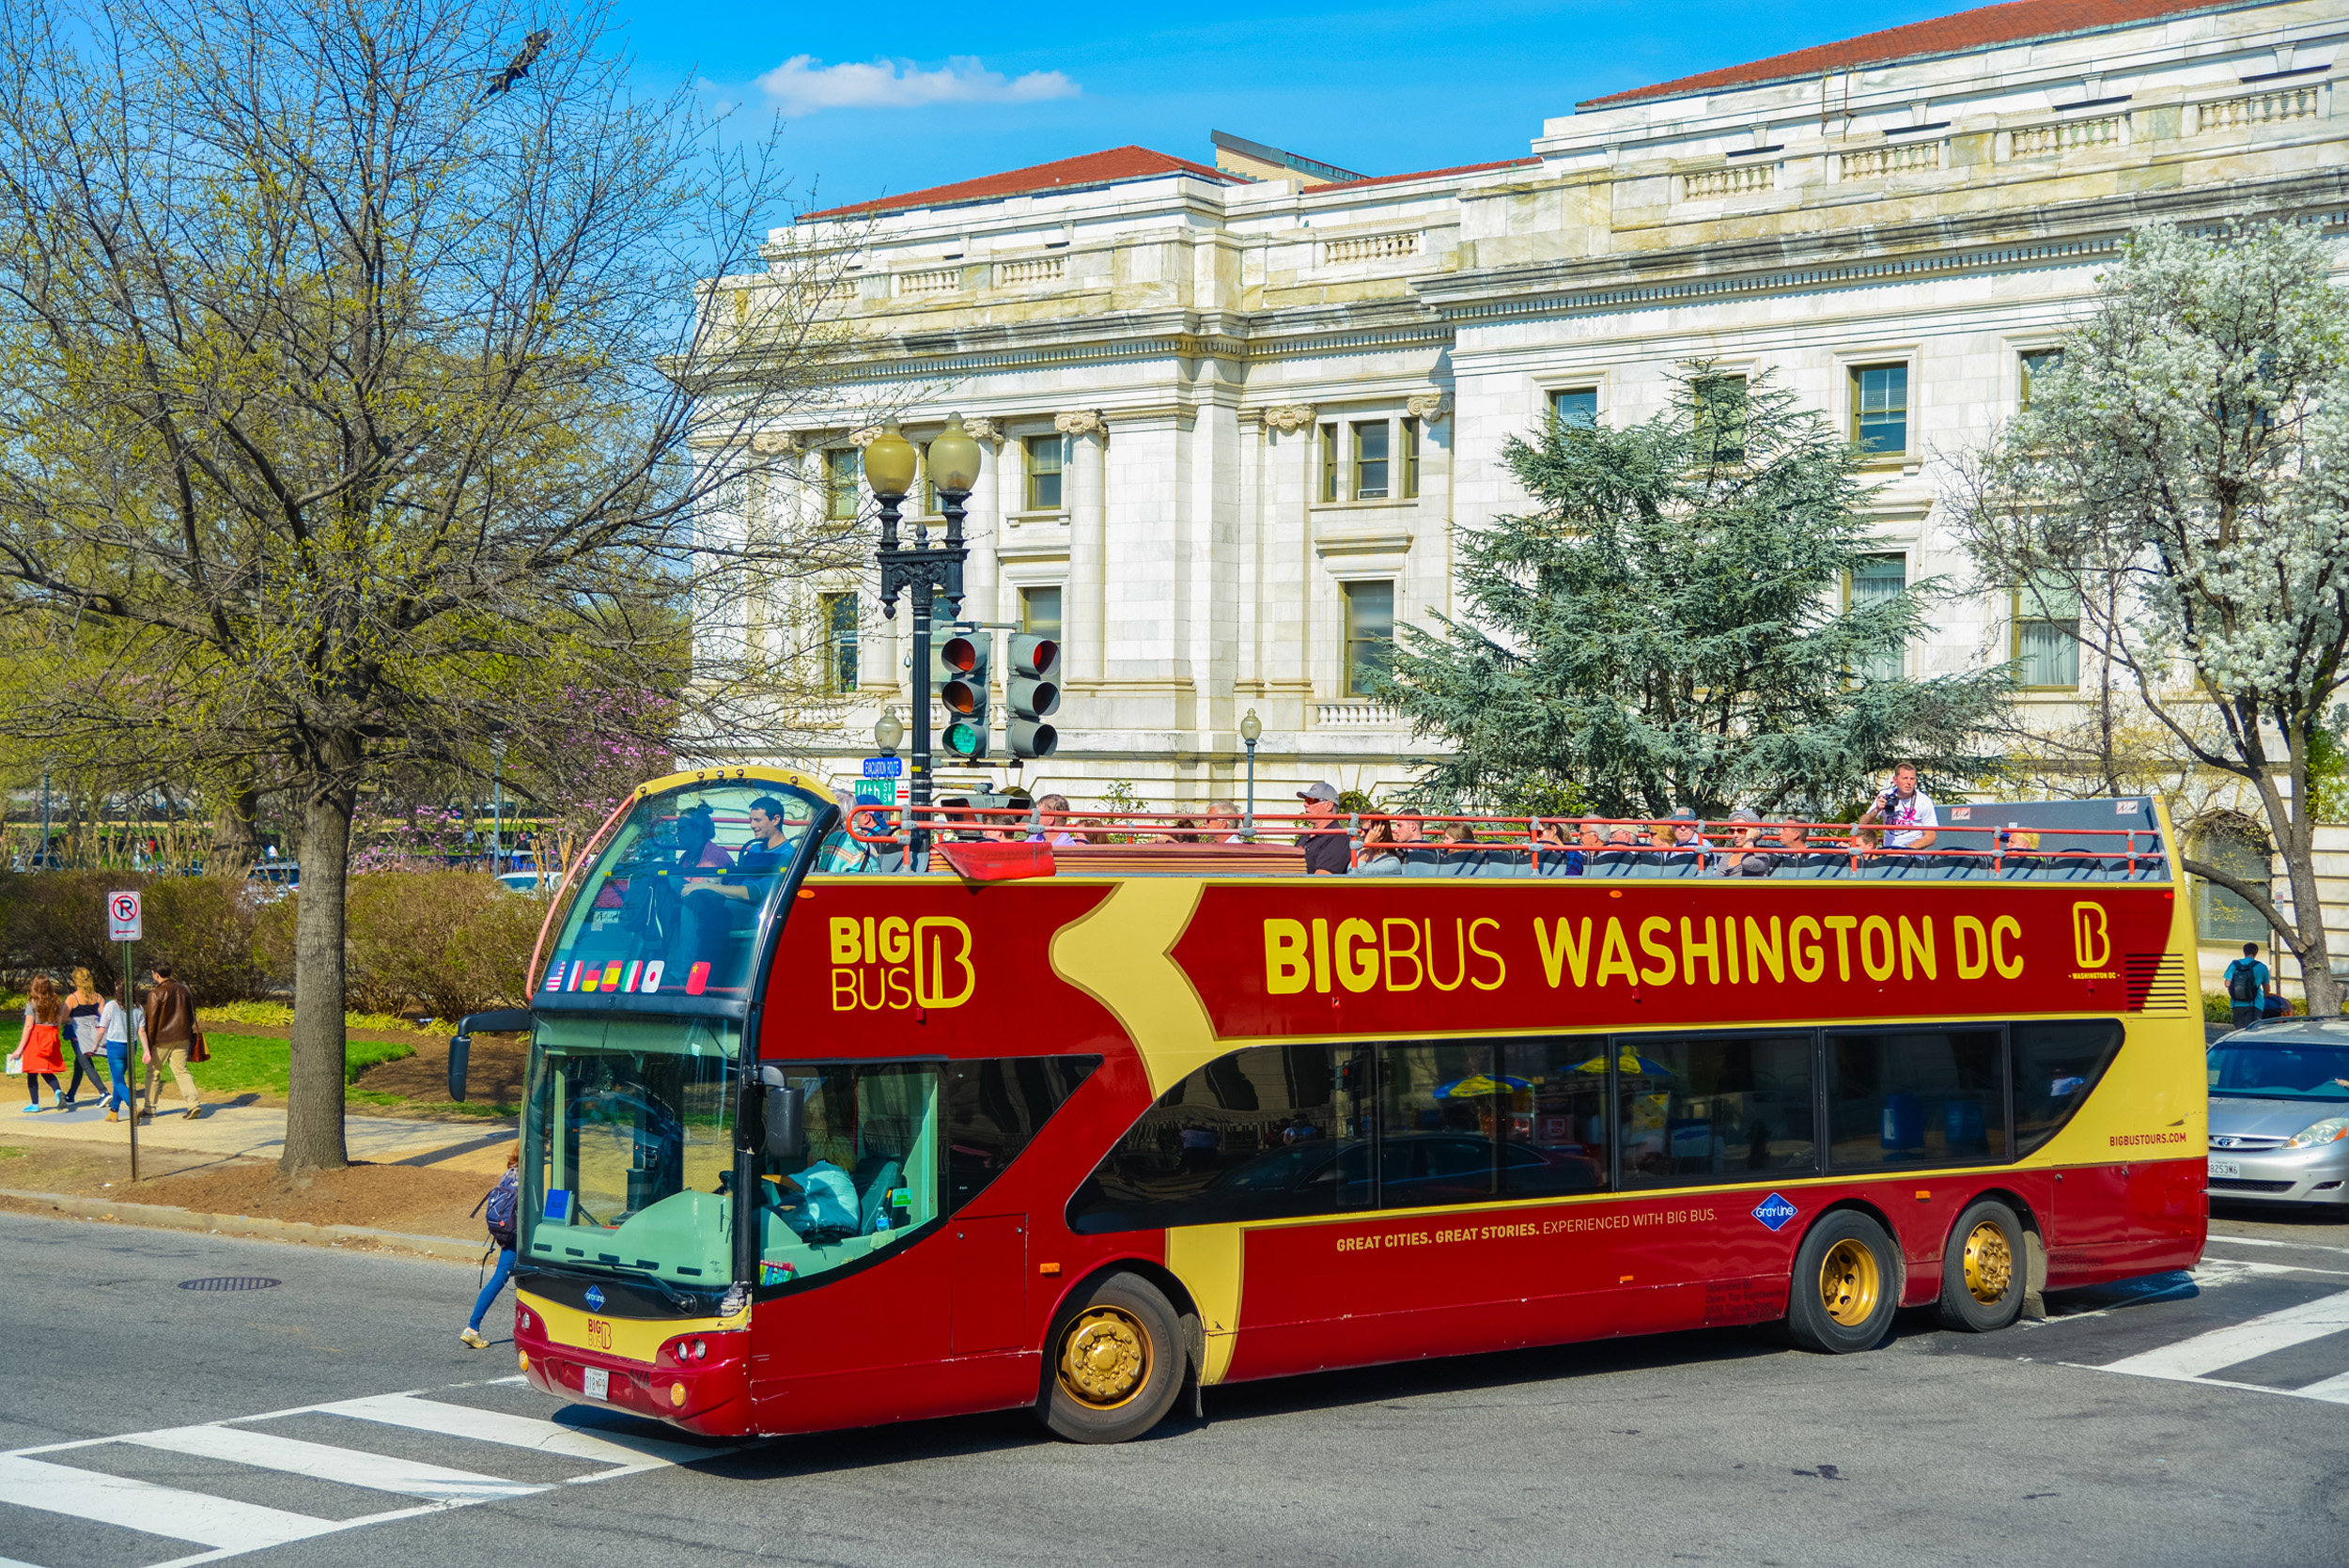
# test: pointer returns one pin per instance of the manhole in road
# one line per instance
(233, 1281)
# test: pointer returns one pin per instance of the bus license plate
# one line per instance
(2225, 1168)
(595, 1382)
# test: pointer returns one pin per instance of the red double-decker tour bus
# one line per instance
(815, 1140)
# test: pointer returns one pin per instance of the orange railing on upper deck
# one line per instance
(1191, 843)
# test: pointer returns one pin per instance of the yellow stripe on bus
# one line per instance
(632, 1339)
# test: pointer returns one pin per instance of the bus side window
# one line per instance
(994, 1108)
(1713, 1107)
(1915, 1098)
(1471, 1121)
(1259, 1134)
(2056, 1066)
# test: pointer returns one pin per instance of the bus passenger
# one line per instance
(1051, 815)
(717, 907)
(1327, 851)
(1747, 859)
(1224, 823)
(1907, 810)
(1379, 857)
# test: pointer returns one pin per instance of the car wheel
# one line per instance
(1846, 1284)
(1115, 1363)
(1982, 1268)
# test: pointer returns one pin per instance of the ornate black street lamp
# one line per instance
(926, 572)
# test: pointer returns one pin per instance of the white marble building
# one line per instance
(1186, 377)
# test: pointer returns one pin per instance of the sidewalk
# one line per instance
(258, 1132)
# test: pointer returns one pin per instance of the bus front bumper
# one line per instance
(705, 1393)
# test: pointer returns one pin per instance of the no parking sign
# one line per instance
(124, 921)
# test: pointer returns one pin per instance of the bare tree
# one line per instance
(2181, 485)
(358, 414)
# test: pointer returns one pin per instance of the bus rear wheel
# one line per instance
(1845, 1287)
(1117, 1363)
(1982, 1268)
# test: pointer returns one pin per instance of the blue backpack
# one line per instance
(501, 1203)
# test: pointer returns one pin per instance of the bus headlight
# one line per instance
(2331, 1131)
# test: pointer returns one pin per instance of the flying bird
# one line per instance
(519, 66)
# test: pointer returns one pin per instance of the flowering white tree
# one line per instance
(2180, 482)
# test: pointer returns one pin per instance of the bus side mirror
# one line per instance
(783, 1123)
(460, 1054)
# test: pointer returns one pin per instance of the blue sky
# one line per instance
(937, 93)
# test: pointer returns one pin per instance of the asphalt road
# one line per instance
(2017, 1448)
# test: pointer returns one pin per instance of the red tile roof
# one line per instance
(1115, 166)
(1949, 35)
(1425, 174)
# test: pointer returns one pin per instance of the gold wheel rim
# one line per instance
(1849, 1282)
(1105, 1357)
(1989, 1263)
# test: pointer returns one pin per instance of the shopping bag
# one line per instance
(197, 1053)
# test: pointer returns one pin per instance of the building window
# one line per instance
(1721, 405)
(1874, 580)
(1408, 457)
(1879, 409)
(1369, 634)
(2038, 364)
(839, 614)
(1328, 462)
(841, 472)
(2048, 633)
(2220, 915)
(1044, 457)
(1039, 612)
(1574, 408)
(1370, 460)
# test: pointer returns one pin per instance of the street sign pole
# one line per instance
(126, 923)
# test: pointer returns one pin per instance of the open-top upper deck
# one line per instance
(2108, 840)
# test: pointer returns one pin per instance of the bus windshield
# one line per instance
(632, 1119)
(673, 907)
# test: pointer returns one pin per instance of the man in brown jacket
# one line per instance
(170, 1022)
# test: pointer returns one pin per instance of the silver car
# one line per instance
(2279, 1112)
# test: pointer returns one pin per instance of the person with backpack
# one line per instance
(502, 1203)
(2249, 984)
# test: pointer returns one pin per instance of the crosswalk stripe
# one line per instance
(2207, 1353)
(2335, 1388)
(492, 1426)
(166, 1510)
(325, 1462)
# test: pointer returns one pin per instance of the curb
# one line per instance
(163, 1217)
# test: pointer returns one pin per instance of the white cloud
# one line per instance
(804, 85)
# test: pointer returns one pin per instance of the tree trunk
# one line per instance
(2323, 991)
(236, 843)
(314, 1096)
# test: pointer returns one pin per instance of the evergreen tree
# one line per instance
(1668, 627)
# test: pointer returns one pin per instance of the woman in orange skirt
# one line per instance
(43, 1048)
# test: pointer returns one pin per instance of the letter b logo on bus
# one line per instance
(2092, 936)
(1034, 694)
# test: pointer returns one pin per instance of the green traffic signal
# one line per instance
(965, 693)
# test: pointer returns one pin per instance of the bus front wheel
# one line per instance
(1117, 1363)
(1846, 1284)
(1982, 1268)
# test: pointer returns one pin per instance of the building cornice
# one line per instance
(2067, 233)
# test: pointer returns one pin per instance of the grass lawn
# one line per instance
(258, 1063)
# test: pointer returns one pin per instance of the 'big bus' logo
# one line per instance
(2091, 940)
(892, 963)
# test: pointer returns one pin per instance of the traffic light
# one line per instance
(964, 694)
(1034, 693)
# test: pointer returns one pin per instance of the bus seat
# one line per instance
(875, 1199)
(1826, 864)
(1557, 865)
(1612, 862)
(1645, 863)
(1423, 863)
(1504, 863)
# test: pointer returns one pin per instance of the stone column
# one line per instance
(1088, 527)
(982, 527)
(1285, 608)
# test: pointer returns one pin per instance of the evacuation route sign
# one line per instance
(124, 923)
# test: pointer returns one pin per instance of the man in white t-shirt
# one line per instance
(1906, 811)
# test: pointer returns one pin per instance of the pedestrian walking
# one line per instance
(116, 1029)
(167, 1036)
(82, 1007)
(41, 1052)
(503, 1202)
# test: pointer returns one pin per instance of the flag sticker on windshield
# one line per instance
(652, 974)
(1775, 1211)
